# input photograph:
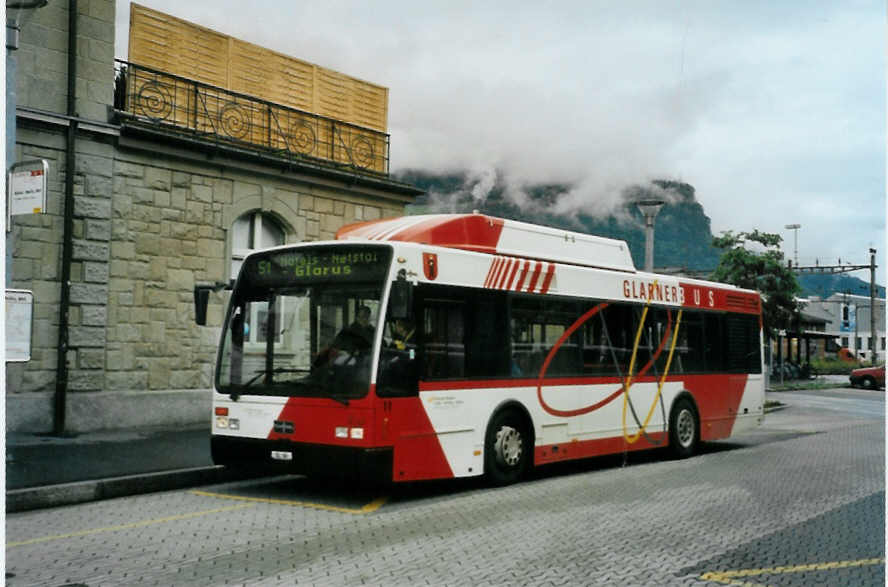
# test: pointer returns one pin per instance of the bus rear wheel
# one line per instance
(684, 429)
(506, 448)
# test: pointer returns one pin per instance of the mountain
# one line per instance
(825, 285)
(683, 233)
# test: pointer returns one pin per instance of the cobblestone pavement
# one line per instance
(832, 542)
(798, 502)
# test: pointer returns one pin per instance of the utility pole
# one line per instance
(856, 337)
(872, 306)
(848, 267)
(795, 228)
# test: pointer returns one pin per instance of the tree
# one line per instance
(744, 265)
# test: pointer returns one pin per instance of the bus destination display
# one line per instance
(312, 265)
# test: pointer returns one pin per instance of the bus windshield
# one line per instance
(302, 322)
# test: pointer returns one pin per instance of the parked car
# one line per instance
(868, 377)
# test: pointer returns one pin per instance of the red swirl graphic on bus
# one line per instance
(591, 408)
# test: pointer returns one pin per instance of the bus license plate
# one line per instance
(281, 455)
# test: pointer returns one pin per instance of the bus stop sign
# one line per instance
(19, 315)
(26, 188)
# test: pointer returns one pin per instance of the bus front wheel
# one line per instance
(507, 448)
(684, 429)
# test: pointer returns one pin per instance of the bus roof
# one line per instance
(487, 234)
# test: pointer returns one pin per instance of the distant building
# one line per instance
(806, 341)
(159, 181)
(847, 322)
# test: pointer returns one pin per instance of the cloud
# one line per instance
(764, 107)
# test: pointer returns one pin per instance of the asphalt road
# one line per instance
(102, 455)
(799, 501)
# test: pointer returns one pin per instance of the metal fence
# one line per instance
(189, 107)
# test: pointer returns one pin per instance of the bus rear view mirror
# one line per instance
(401, 302)
(201, 300)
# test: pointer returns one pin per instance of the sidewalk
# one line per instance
(46, 471)
(838, 381)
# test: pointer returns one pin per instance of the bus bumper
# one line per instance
(367, 465)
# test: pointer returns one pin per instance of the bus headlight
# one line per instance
(341, 432)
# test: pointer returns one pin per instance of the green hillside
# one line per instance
(825, 285)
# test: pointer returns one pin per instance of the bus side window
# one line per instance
(742, 335)
(537, 325)
(596, 360)
(718, 346)
(754, 345)
(486, 345)
(617, 336)
(527, 333)
(690, 349)
(443, 336)
(656, 339)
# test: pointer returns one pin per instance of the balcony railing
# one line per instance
(182, 106)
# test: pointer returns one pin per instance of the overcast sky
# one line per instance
(773, 111)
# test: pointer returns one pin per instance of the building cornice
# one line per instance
(63, 121)
(197, 150)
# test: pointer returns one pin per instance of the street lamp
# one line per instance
(16, 12)
(650, 209)
(795, 227)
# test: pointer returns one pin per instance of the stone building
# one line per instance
(155, 208)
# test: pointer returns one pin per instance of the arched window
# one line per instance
(254, 230)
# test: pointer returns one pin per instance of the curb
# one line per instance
(32, 498)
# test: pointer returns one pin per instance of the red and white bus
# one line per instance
(439, 346)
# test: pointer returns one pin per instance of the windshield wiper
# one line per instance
(261, 372)
(318, 388)
(276, 370)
